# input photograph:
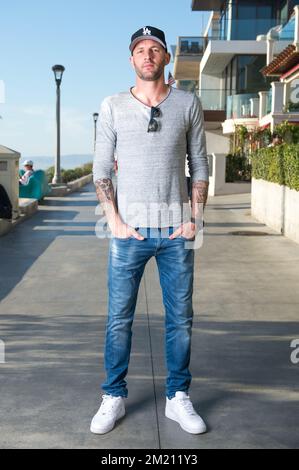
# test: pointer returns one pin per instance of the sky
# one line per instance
(91, 39)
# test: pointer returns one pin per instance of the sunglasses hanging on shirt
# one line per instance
(153, 124)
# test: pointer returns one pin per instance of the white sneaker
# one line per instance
(111, 409)
(180, 409)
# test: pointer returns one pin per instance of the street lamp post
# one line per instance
(58, 72)
(95, 120)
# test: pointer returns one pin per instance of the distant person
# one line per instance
(276, 140)
(28, 165)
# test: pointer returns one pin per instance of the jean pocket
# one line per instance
(127, 238)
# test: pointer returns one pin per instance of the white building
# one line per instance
(225, 70)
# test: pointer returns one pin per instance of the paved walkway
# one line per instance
(53, 312)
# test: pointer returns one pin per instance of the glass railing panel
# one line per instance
(239, 106)
(188, 45)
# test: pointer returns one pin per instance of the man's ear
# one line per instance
(131, 59)
(167, 58)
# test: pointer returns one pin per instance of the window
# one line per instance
(284, 11)
(246, 19)
(246, 12)
(249, 77)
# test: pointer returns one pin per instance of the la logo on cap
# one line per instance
(146, 31)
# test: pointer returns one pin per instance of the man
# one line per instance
(152, 126)
(28, 165)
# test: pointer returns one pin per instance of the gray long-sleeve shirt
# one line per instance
(151, 182)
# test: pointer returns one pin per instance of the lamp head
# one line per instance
(58, 72)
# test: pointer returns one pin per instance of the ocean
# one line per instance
(67, 161)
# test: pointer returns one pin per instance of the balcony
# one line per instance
(190, 46)
(218, 54)
(213, 104)
(242, 109)
(238, 37)
(188, 53)
(212, 99)
(242, 106)
(244, 29)
(279, 104)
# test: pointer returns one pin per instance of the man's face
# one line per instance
(28, 167)
(149, 59)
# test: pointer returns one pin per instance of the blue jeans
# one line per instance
(126, 263)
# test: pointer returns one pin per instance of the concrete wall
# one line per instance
(9, 176)
(77, 184)
(217, 181)
(216, 141)
(65, 189)
(218, 148)
(276, 206)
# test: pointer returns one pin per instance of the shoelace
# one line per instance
(108, 404)
(187, 405)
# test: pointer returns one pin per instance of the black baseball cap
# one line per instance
(148, 32)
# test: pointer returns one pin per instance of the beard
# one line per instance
(150, 75)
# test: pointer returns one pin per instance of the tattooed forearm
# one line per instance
(104, 190)
(199, 197)
(200, 192)
(105, 194)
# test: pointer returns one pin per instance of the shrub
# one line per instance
(279, 164)
(72, 174)
(291, 166)
(288, 131)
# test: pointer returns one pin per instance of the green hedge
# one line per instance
(278, 164)
(72, 174)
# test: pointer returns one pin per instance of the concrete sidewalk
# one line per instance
(53, 312)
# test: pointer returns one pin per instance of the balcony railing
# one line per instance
(287, 31)
(212, 99)
(249, 29)
(190, 46)
(240, 106)
(245, 29)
